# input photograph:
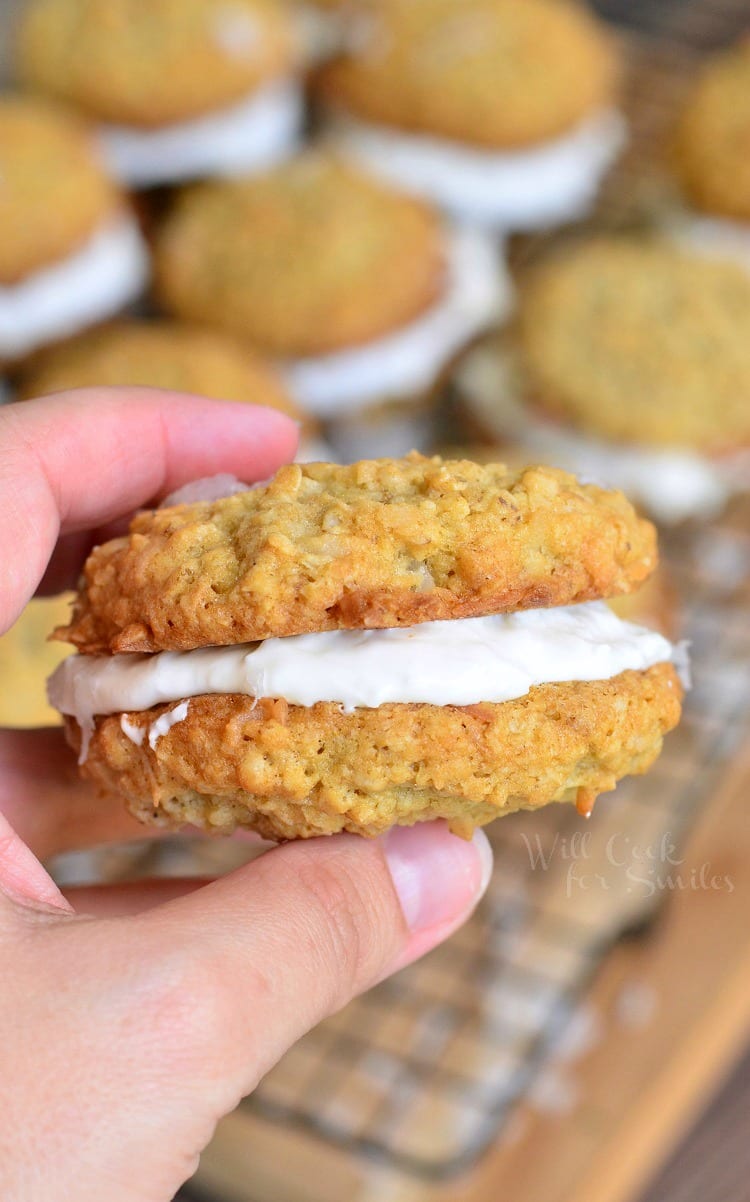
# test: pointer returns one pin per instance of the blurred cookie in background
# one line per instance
(170, 355)
(178, 90)
(26, 659)
(711, 156)
(360, 294)
(502, 113)
(70, 250)
(629, 363)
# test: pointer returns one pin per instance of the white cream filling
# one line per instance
(672, 485)
(388, 435)
(163, 724)
(477, 294)
(459, 662)
(527, 189)
(252, 135)
(214, 488)
(102, 276)
(315, 450)
(712, 237)
(136, 734)
(207, 488)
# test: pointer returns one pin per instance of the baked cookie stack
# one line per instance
(70, 250)
(345, 648)
(500, 112)
(362, 295)
(710, 150)
(630, 364)
(177, 90)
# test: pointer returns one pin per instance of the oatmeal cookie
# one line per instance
(158, 354)
(712, 141)
(310, 258)
(380, 543)
(55, 192)
(155, 63)
(493, 73)
(292, 772)
(641, 342)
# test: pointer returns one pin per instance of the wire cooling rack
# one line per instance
(423, 1072)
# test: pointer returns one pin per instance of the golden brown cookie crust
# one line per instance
(155, 62)
(381, 543)
(55, 192)
(291, 772)
(712, 141)
(495, 73)
(159, 354)
(641, 342)
(310, 258)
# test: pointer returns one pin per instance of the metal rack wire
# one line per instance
(423, 1071)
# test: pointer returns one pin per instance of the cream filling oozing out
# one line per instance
(252, 135)
(97, 280)
(672, 485)
(477, 294)
(459, 662)
(527, 189)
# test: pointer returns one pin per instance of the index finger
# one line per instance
(80, 459)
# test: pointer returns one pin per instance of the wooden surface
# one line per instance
(640, 1086)
(713, 1160)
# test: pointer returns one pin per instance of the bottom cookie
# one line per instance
(226, 761)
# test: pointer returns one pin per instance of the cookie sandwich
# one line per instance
(501, 112)
(630, 365)
(178, 90)
(711, 159)
(177, 356)
(71, 253)
(362, 296)
(345, 648)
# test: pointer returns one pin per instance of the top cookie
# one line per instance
(151, 63)
(382, 543)
(312, 257)
(54, 191)
(712, 144)
(158, 354)
(641, 342)
(496, 73)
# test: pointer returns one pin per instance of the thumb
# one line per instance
(289, 939)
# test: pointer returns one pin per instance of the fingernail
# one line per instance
(438, 877)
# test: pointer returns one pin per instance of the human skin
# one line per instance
(133, 1017)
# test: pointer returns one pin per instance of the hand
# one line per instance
(133, 1018)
